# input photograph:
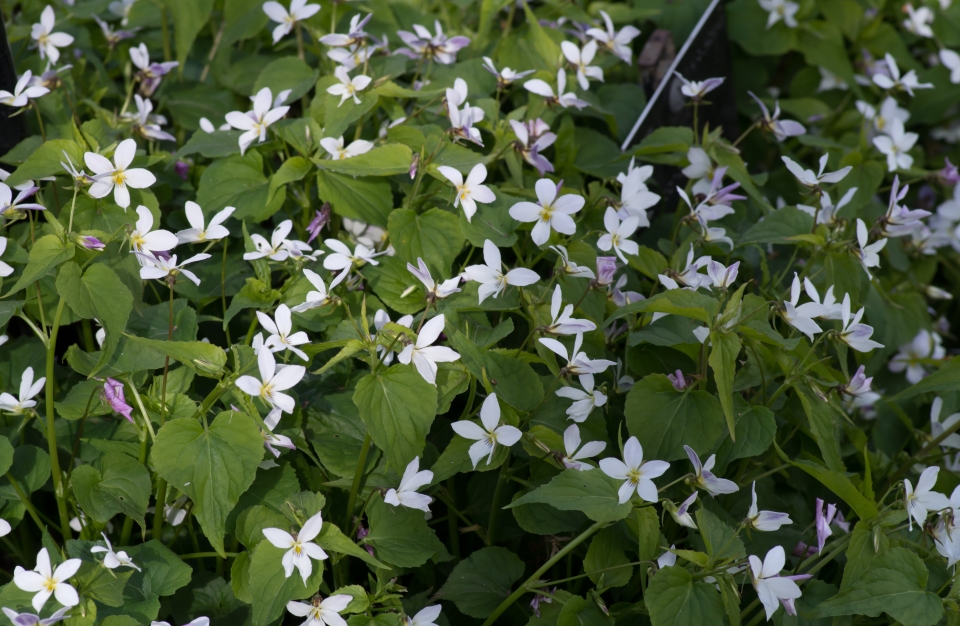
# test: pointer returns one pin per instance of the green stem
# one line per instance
(357, 477)
(495, 504)
(524, 588)
(26, 501)
(207, 555)
(58, 486)
(161, 483)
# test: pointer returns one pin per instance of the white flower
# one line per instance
(144, 239)
(269, 438)
(549, 213)
(48, 41)
(300, 549)
(635, 198)
(435, 290)
(584, 401)
(325, 613)
(406, 494)
(28, 390)
(830, 81)
(541, 88)
(853, 333)
(342, 259)
(111, 559)
(896, 145)
(562, 322)
(772, 588)
(925, 346)
(700, 169)
(5, 528)
(208, 127)
(30, 619)
(46, 581)
(273, 381)
(618, 43)
(321, 297)
(721, 276)
(200, 233)
(299, 10)
(667, 559)
(348, 87)
(8, 203)
(922, 500)
(150, 74)
(697, 89)
(337, 152)
(617, 235)
(801, 316)
(637, 475)
(832, 308)
(578, 363)
(918, 21)
(581, 60)
(869, 255)
(117, 176)
(574, 455)
(908, 82)
(491, 277)
(767, 521)
(490, 434)
(256, 122)
(780, 10)
(380, 319)
(828, 210)
(889, 111)
(506, 76)
(277, 249)
(569, 268)
(22, 94)
(159, 268)
(356, 34)
(807, 178)
(951, 61)
(937, 427)
(781, 129)
(279, 329)
(121, 8)
(471, 191)
(424, 354)
(705, 479)
(425, 617)
(681, 514)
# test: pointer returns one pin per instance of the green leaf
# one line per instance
(288, 72)
(213, 466)
(723, 362)
(100, 584)
(674, 598)
(189, 17)
(675, 302)
(45, 161)
(479, 583)
(220, 143)
(206, 358)
(593, 493)
(778, 227)
(98, 294)
(866, 543)
(385, 160)
(163, 573)
(269, 586)
(238, 181)
(6, 455)
(836, 482)
(121, 486)
(514, 381)
(823, 425)
(492, 221)
(400, 536)
(945, 379)
(578, 611)
(336, 117)
(398, 407)
(47, 253)
(664, 419)
(367, 199)
(292, 170)
(391, 281)
(332, 539)
(720, 539)
(755, 427)
(894, 584)
(434, 236)
(606, 551)
(747, 23)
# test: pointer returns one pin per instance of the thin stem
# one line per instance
(58, 486)
(36, 108)
(495, 504)
(525, 587)
(357, 477)
(161, 483)
(26, 501)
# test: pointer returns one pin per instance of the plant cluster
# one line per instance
(356, 313)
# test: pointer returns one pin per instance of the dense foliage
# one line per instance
(323, 314)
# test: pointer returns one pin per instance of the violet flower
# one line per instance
(113, 394)
(321, 219)
(606, 268)
(91, 243)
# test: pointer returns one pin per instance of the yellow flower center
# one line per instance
(119, 177)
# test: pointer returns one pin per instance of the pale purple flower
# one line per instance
(678, 380)
(859, 385)
(705, 479)
(30, 619)
(772, 588)
(562, 97)
(578, 363)
(112, 36)
(722, 277)
(781, 129)
(606, 268)
(506, 76)
(150, 74)
(540, 599)
(533, 137)
(764, 520)
(823, 520)
(181, 169)
(697, 89)
(113, 394)
(853, 333)
(435, 290)
(621, 297)
(681, 514)
(8, 203)
(949, 174)
(562, 322)
(355, 36)
(422, 44)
